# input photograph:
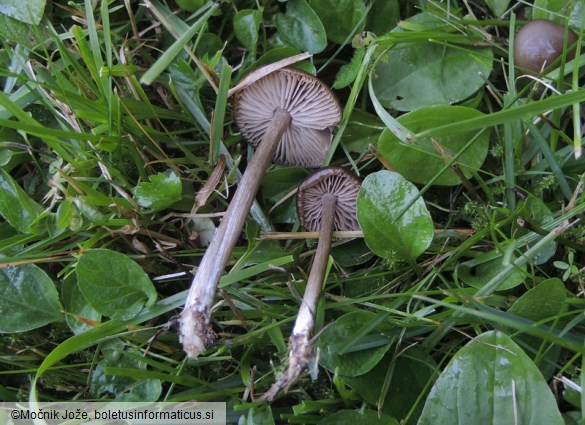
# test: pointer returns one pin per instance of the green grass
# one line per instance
(100, 100)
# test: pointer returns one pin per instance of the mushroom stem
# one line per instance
(299, 352)
(195, 332)
(306, 317)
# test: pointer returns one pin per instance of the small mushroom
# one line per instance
(326, 201)
(287, 114)
(540, 42)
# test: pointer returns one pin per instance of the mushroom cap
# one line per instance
(329, 181)
(314, 110)
(539, 43)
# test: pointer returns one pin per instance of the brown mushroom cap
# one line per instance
(329, 181)
(313, 108)
(540, 42)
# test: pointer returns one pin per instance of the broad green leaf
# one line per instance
(19, 32)
(258, 251)
(383, 16)
(301, 27)
(422, 160)
(348, 72)
(104, 380)
(16, 206)
(277, 185)
(393, 217)
(353, 417)
(163, 190)
(77, 307)
(28, 299)
(340, 17)
(414, 75)
(351, 253)
(362, 130)
(68, 216)
(5, 156)
(481, 270)
(351, 363)
(558, 11)
(498, 7)
(113, 284)
(246, 25)
(190, 5)
(29, 11)
(536, 213)
(411, 374)
(280, 182)
(259, 415)
(545, 300)
(573, 417)
(209, 45)
(490, 381)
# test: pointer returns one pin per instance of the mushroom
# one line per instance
(540, 42)
(326, 201)
(287, 114)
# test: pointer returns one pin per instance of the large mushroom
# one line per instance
(287, 115)
(326, 201)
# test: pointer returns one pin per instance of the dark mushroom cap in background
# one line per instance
(313, 107)
(333, 181)
(540, 42)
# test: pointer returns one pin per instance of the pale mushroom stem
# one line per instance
(299, 352)
(195, 332)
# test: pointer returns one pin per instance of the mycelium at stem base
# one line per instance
(300, 340)
(195, 332)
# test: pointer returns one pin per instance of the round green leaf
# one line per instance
(300, 27)
(29, 12)
(351, 363)
(352, 417)
(543, 301)
(348, 72)
(113, 284)
(490, 381)
(362, 130)
(558, 10)
(104, 379)
(190, 5)
(246, 25)
(16, 206)
(339, 17)
(276, 185)
(481, 270)
(390, 230)
(498, 7)
(535, 212)
(351, 253)
(413, 75)
(77, 306)
(383, 16)
(420, 161)
(5, 156)
(412, 372)
(28, 299)
(573, 417)
(260, 415)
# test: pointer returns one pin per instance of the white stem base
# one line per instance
(299, 352)
(200, 337)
